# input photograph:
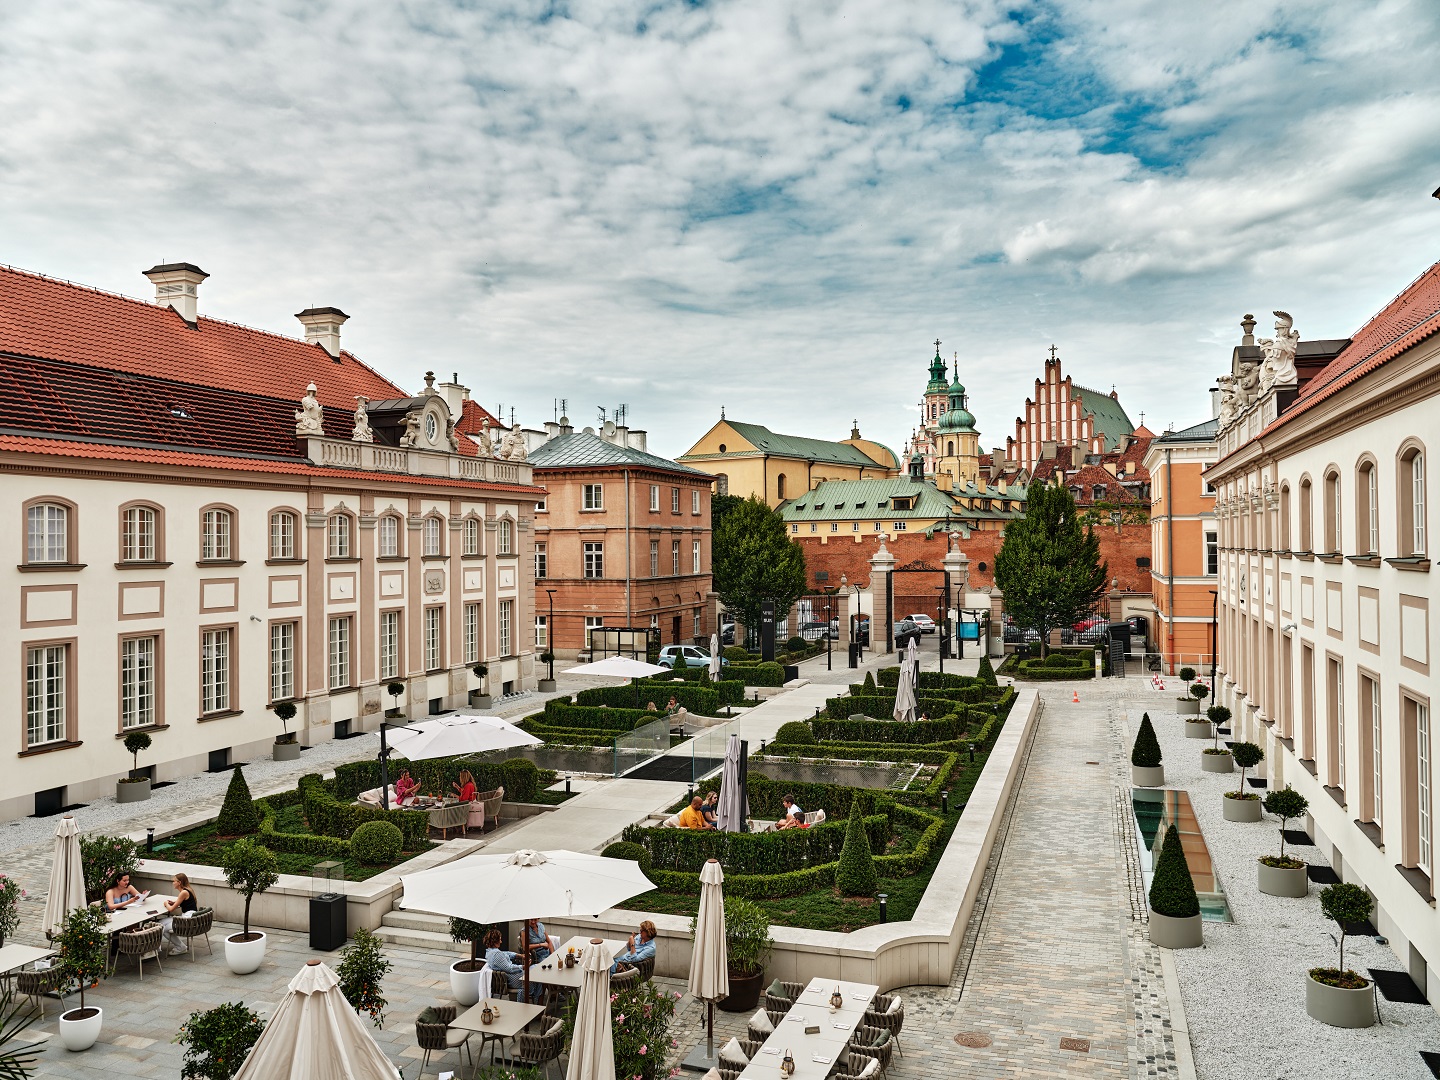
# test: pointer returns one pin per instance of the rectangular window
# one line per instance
(834, 526)
(1422, 787)
(282, 535)
(215, 535)
(594, 622)
(1417, 501)
(1212, 554)
(899, 526)
(1377, 789)
(470, 633)
(433, 616)
(594, 559)
(214, 671)
(432, 536)
(694, 502)
(339, 536)
(592, 498)
(137, 535)
(854, 526)
(654, 558)
(694, 556)
(388, 537)
(1335, 691)
(542, 632)
(47, 533)
(339, 653)
(282, 661)
(389, 644)
(1205, 485)
(507, 608)
(472, 536)
(654, 498)
(506, 531)
(794, 528)
(675, 557)
(45, 692)
(137, 681)
(541, 561)
(879, 526)
(1373, 498)
(695, 630)
(674, 500)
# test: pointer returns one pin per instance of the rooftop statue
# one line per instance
(1279, 366)
(310, 418)
(362, 432)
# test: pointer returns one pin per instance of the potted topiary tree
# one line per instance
(287, 746)
(465, 974)
(1338, 996)
(747, 947)
(83, 945)
(1187, 704)
(1174, 906)
(1217, 758)
(250, 868)
(1187, 674)
(547, 684)
(394, 689)
(480, 697)
(217, 1040)
(1145, 767)
(1240, 804)
(1197, 728)
(1284, 875)
(134, 788)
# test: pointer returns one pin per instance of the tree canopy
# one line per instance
(1049, 566)
(755, 561)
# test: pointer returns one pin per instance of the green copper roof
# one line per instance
(580, 450)
(957, 420)
(1109, 415)
(767, 441)
(937, 376)
(871, 500)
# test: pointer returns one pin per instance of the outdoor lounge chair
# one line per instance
(139, 944)
(815, 817)
(624, 978)
(491, 802)
(190, 927)
(449, 817)
(434, 1034)
(887, 1011)
(863, 1042)
(37, 984)
(538, 1051)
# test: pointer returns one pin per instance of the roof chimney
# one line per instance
(323, 324)
(175, 286)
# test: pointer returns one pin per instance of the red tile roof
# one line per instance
(1407, 320)
(45, 317)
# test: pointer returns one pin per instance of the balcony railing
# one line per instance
(369, 457)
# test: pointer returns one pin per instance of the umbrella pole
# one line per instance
(710, 1030)
(525, 956)
(384, 771)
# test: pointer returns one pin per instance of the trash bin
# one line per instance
(854, 655)
(792, 671)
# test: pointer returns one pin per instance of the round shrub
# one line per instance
(794, 733)
(1199, 691)
(796, 644)
(631, 852)
(376, 843)
(1187, 674)
(737, 653)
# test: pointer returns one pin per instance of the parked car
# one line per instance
(727, 633)
(694, 657)
(925, 622)
(818, 631)
(906, 631)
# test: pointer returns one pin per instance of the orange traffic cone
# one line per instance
(1075, 697)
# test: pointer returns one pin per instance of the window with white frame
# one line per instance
(594, 558)
(389, 644)
(505, 542)
(674, 500)
(1205, 486)
(654, 558)
(339, 653)
(137, 534)
(337, 536)
(694, 556)
(472, 536)
(694, 502)
(1367, 510)
(388, 537)
(1376, 778)
(46, 690)
(695, 631)
(1212, 554)
(47, 533)
(137, 681)
(542, 506)
(898, 525)
(592, 497)
(433, 618)
(215, 534)
(431, 536)
(794, 528)
(1412, 502)
(834, 526)
(214, 671)
(470, 633)
(854, 526)
(542, 560)
(1422, 788)
(654, 498)
(507, 624)
(282, 661)
(542, 631)
(594, 622)
(282, 535)
(675, 558)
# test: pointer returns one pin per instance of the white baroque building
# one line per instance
(1327, 641)
(213, 519)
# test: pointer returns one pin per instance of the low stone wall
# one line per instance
(921, 951)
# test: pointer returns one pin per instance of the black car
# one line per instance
(906, 631)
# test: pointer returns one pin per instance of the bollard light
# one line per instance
(567, 785)
(945, 802)
(149, 840)
(882, 897)
(762, 744)
(972, 751)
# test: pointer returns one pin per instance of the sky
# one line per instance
(769, 206)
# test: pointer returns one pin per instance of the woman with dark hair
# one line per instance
(508, 962)
(122, 894)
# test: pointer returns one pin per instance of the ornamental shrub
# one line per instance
(1285, 803)
(1187, 674)
(10, 893)
(84, 946)
(1344, 903)
(735, 653)
(1145, 754)
(855, 876)
(362, 966)
(521, 779)
(135, 744)
(794, 733)
(217, 1041)
(679, 662)
(796, 644)
(986, 674)
(238, 817)
(869, 682)
(250, 868)
(1172, 890)
(104, 858)
(1218, 715)
(1199, 691)
(622, 849)
(1247, 755)
(377, 843)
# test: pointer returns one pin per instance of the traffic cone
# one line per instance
(1075, 697)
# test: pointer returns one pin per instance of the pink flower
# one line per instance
(643, 1049)
(620, 1019)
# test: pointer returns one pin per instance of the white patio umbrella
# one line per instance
(618, 667)
(734, 805)
(449, 736)
(714, 657)
(316, 1035)
(67, 876)
(709, 963)
(905, 690)
(592, 1047)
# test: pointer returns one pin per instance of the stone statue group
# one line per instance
(1239, 392)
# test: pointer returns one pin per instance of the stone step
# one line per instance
(420, 939)
(416, 920)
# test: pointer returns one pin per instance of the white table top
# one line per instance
(511, 1021)
(836, 1028)
(17, 956)
(127, 918)
(557, 975)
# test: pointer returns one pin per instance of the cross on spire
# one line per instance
(1052, 354)
(1142, 417)
(937, 346)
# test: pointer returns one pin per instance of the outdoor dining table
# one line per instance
(152, 907)
(553, 972)
(14, 957)
(817, 1054)
(511, 1021)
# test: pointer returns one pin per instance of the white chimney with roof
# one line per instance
(455, 395)
(322, 324)
(176, 286)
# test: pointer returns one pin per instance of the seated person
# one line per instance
(692, 818)
(122, 894)
(509, 963)
(465, 789)
(672, 707)
(537, 940)
(636, 950)
(794, 817)
(183, 904)
(710, 808)
(405, 788)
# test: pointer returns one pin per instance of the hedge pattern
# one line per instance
(918, 732)
(761, 674)
(754, 853)
(520, 778)
(697, 699)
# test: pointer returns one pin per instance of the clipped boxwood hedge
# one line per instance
(761, 674)
(520, 778)
(754, 853)
(930, 680)
(697, 699)
(918, 732)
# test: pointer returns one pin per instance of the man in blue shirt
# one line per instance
(637, 951)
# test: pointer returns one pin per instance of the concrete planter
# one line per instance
(287, 751)
(547, 686)
(1198, 729)
(465, 985)
(1170, 933)
(1339, 1007)
(1217, 762)
(78, 1031)
(1147, 775)
(1241, 809)
(1187, 706)
(480, 701)
(245, 956)
(1282, 880)
(132, 790)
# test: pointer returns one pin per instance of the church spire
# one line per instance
(937, 382)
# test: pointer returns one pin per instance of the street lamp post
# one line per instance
(940, 611)
(550, 633)
(829, 641)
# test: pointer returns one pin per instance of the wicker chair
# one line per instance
(500, 986)
(861, 1043)
(449, 817)
(764, 1030)
(783, 1004)
(624, 978)
(887, 1011)
(194, 926)
(538, 1051)
(436, 1036)
(36, 984)
(139, 944)
(492, 801)
(646, 968)
(856, 1067)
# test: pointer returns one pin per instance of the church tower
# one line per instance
(957, 443)
(932, 408)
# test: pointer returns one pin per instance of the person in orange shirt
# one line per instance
(692, 818)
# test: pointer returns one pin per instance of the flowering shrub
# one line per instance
(216, 1041)
(639, 1021)
(104, 859)
(10, 894)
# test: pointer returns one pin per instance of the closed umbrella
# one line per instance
(67, 876)
(316, 1035)
(714, 657)
(592, 1047)
(905, 692)
(709, 963)
(451, 736)
(734, 808)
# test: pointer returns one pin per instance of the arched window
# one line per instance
(949, 447)
(1367, 508)
(780, 487)
(337, 535)
(217, 530)
(387, 538)
(282, 534)
(722, 484)
(1285, 517)
(139, 526)
(1334, 536)
(432, 534)
(1411, 501)
(1306, 516)
(47, 532)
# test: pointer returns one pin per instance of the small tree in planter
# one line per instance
(362, 966)
(855, 875)
(1219, 716)
(134, 788)
(239, 816)
(481, 697)
(395, 689)
(217, 1041)
(250, 869)
(465, 974)
(285, 712)
(1284, 875)
(547, 684)
(1145, 757)
(1339, 996)
(1199, 691)
(82, 945)
(136, 743)
(1174, 904)
(1187, 675)
(747, 947)
(1240, 804)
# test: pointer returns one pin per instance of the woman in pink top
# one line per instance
(405, 788)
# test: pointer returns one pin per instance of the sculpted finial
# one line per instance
(310, 417)
(362, 432)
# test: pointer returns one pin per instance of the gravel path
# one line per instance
(1244, 992)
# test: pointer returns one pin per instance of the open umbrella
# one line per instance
(449, 736)
(734, 808)
(618, 667)
(709, 964)
(714, 657)
(592, 1047)
(67, 876)
(315, 1035)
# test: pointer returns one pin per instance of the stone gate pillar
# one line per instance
(882, 589)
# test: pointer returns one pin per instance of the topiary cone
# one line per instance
(1172, 890)
(855, 876)
(1146, 752)
(239, 816)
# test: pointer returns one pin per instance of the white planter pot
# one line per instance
(1187, 706)
(1241, 809)
(1283, 880)
(132, 790)
(1147, 775)
(244, 956)
(81, 1034)
(1171, 933)
(1217, 763)
(1198, 729)
(464, 985)
(287, 751)
(1339, 1007)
